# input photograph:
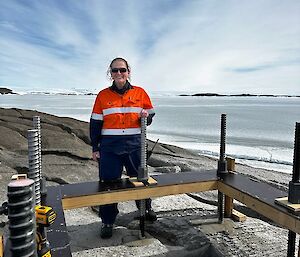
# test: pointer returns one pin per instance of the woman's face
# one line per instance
(119, 73)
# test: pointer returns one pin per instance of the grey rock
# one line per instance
(66, 158)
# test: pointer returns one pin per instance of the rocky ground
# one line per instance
(181, 229)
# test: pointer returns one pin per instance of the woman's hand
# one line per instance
(144, 114)
(96, 156)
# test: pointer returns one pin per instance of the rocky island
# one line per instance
(66, 158)
(4, 91)
(238, 95)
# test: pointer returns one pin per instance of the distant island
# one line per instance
(256, 95)
(4, 91)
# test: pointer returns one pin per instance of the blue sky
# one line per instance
(181, 45)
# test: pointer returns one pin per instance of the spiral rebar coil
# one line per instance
(296, 160)
(21, 215)
(222, 164)
(33, 162)
(143, 172)
(143, 142)
(223, 137)
(36, 121)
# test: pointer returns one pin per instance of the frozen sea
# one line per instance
(260, 130)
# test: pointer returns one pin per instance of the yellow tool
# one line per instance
(45, 216)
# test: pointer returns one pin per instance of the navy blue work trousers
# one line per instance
(110, 168)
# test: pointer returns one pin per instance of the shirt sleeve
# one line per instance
(96, 123)
(147, 105)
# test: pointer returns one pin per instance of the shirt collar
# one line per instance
(121, 91)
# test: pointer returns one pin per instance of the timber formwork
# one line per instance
(258, 196)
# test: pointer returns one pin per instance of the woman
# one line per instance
(115, 132)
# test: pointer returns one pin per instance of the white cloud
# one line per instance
(207, 46)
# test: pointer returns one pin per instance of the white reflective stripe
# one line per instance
(150, 111)
(115, 132)
(122, 110)
(96, 116)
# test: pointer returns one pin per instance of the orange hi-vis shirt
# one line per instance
(121, 113)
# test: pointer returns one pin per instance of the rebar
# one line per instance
(21, 216)
(36, 122)
(143, 171)
(221, 207)
(296, 162)
(223, 137)
(291, 244)
(142, 210)
(294, 185)
(33, 162)
(222, 166)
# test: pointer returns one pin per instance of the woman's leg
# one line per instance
(132, 162)
(110, 168)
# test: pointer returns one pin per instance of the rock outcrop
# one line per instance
(4, 91)
(66, 151)
(66, 158)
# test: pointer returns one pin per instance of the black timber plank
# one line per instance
(90, 188)
(57, 233)
(257, 189)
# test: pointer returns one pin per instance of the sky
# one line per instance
(225, 46)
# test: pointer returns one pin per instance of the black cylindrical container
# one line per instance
(21, 215)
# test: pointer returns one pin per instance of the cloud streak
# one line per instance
(199, 46)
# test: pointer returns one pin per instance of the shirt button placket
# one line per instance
(123, 123)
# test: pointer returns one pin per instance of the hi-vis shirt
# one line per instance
(119, 115)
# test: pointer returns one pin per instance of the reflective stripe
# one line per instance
(150, 111)
(122, 110)
(96, 116)
(115, 132)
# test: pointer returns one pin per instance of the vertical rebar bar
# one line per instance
(142, 210)
(294, 185)
(294, 188)
(223, 137)
(37, 125)
(291, 244)
(222, 166)
(296, 162)
(221, 206)
(33, 163)
(143, 172)
(21, 215)
(36, 121)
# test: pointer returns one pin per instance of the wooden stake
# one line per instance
(230, 164)
(228, 200)
(228, 206)
(1, 246)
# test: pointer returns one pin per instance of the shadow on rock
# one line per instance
(177, 234)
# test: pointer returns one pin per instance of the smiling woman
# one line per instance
(115, 131)
(119, 71)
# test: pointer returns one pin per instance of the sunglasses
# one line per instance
(121, 70)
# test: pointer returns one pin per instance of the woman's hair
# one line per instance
(118, 59)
